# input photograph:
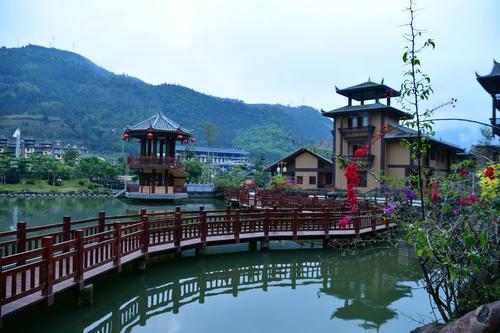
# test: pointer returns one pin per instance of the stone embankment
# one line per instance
(485, 319)
(75, 194)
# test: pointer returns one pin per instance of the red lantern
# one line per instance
(185, 141)
(193, 140)
(125, 136)
(179, 137)
(139, 141)
(150, 135)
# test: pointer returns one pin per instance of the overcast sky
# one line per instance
(288, 52)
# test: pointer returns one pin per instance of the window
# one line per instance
(363, 179)
(312, 180)
(300, 180)
(358, 120)
(433, 155)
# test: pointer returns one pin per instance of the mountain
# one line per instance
(55, 94)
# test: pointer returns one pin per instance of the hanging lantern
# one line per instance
(125, 136)
(139, 141)
(185, 141)
(193, 140)
(179, 137)
(150, 135)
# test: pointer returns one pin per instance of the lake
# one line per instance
(293, 287)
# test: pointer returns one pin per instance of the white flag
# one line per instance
(17, 133)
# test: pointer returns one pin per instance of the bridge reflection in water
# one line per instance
(367, 286)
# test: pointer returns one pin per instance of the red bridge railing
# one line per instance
(35, 259)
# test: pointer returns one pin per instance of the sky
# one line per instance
(292, 52)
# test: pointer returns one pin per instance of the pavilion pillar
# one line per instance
(161, 149)
(149, 147)
(155, 144)
(143, 147)
(153, 175)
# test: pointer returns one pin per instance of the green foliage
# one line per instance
(56, 94)
(271, 141)
(230, 179)
(195, 169)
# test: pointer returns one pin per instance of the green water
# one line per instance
(40, 211)
(294, 287)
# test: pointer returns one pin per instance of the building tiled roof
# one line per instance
(365, 108)
(298, 152)
(408, 133)
(159, 122)
(213, 150)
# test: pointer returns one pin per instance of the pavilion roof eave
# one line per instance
(366, 108)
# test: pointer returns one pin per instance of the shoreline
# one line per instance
(45, 194)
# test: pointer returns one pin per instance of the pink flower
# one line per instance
(435, 196)
(343, 222)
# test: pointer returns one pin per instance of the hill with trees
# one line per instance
(55, 94)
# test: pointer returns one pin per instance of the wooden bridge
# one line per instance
(40, 261)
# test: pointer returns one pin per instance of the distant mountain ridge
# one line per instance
(56, 94)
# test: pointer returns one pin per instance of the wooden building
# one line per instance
(355, 126)
(161, 175)
(309, 169)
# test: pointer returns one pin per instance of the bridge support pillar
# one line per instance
(264, 245)
(326, 243)
(86, 295)
(199, 251)
(252, 246)
(140, 265)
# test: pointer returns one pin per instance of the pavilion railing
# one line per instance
(153, 161)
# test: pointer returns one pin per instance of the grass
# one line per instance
(69, 185)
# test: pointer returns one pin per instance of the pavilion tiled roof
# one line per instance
(368, 90)
(159, 122)
(491, 82)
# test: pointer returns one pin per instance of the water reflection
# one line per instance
(367, 288)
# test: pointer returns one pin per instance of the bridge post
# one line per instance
(21, 240)
(295, 223)
(101, 221)
(267, 221)
(326, 222)
(176, 296)
(356, 225)
(118, 246)
(237, 226)
(227, 218)
(47, 273)
(145, 236)
(373, 223)
(178, 230)
(79, 258)
(203, 225)
(66, 228)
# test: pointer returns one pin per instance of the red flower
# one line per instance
(489, 172)
(435, 196)
(360, 152)
(463, 202)
(464, 172)
(343, 222)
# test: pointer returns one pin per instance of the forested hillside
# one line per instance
(55, 94)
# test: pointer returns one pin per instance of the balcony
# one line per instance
(367, 160)
(355, 132)
(155, 162)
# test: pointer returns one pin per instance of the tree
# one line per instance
(211, 132)
(70, 157)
